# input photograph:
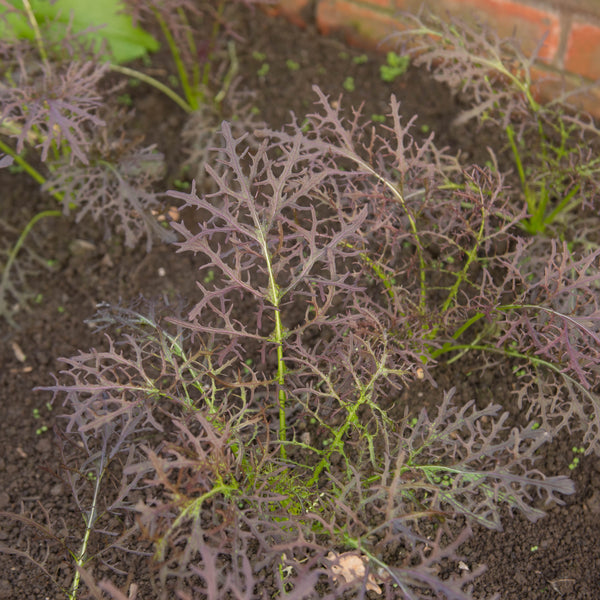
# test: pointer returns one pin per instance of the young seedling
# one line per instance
(575, 462)
(263, 70)
(349, 84)
(395, 67)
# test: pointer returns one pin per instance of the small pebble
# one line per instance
(57, 489)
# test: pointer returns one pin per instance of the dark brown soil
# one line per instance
(557, 557)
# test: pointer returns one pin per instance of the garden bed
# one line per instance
(556, 557)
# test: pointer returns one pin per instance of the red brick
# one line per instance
(549, 84)
(507, 17)
(387, 4)
(367, 22)
(362, 25)
(588, 101)
(583, 50)
(295, 11)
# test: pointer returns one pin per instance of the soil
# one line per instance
(557, 557)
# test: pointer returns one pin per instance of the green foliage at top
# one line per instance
(108, 24)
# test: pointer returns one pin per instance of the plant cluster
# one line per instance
(251, 444)
(552, 145)
(62, 121)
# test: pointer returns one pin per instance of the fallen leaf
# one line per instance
(352, 567)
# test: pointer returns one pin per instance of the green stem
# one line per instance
(191, 95)
(510, 132)
(154, 83)
(353, 409)
(564, 203)
(274, 297)
(400, 198)
(89, 520)
(449, 346)
(191, 511)
(536, 361)
(462, 275)
(377, 269)
(281, 366)
(535, 222)
(36, 31)
(36, 175)
(281, 370)
(536, 205)
(216, 28)
(189, 37)
(495, 64)
(12, 255)
(231, 72)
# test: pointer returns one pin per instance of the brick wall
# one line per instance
(572, 27)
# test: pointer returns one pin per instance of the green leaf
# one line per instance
(124, 41)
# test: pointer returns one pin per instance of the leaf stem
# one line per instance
(274, 298)
(89, 519)
(31, 171)
(12, 255)
(154, 83)
(36, 31)
(194, 98)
